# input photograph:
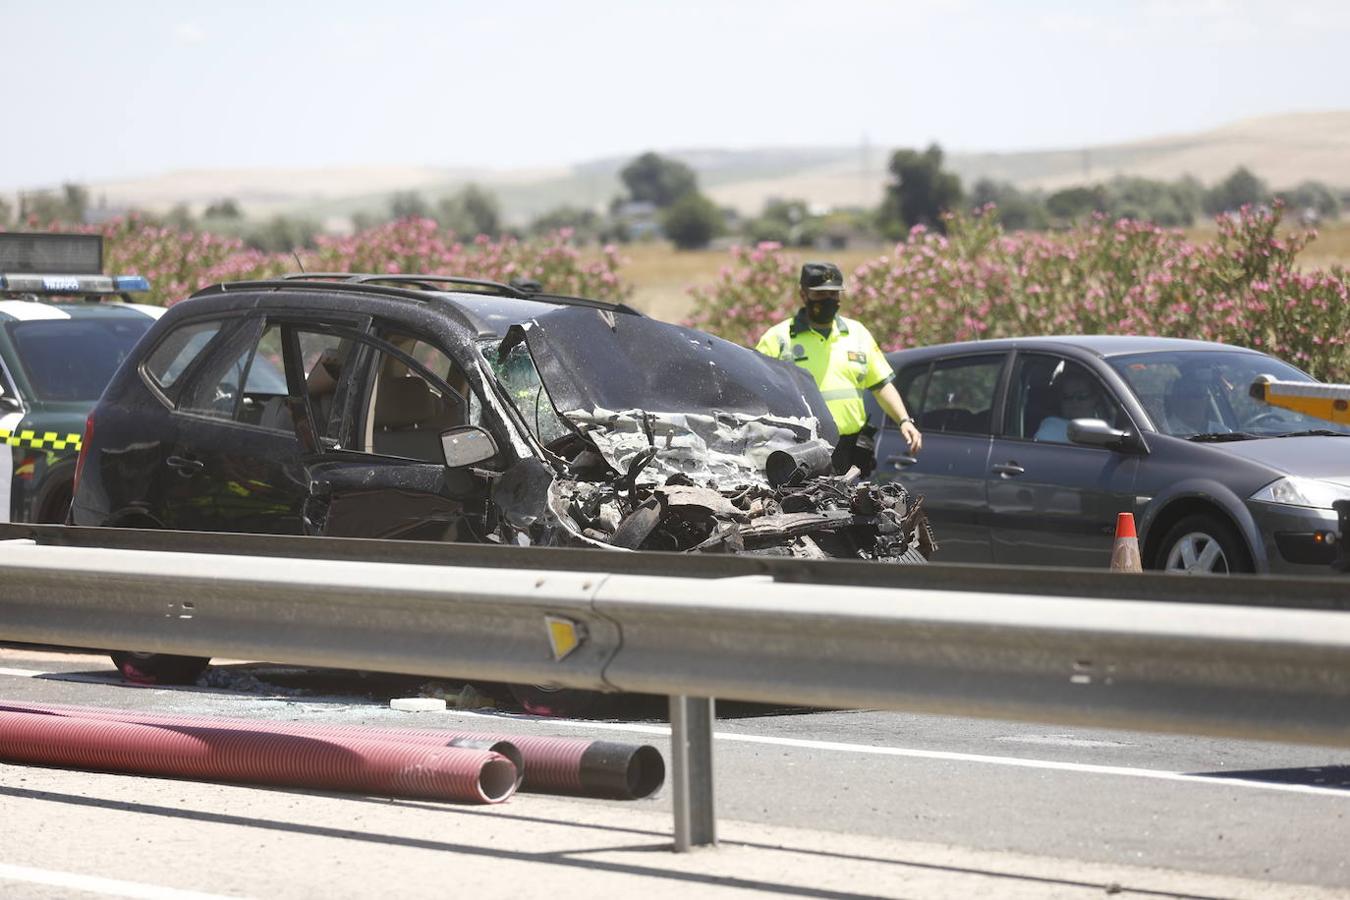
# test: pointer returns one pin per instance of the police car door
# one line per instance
(379, 470)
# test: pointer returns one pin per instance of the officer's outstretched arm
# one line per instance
(894, 405)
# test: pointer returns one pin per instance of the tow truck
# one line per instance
(60, 342)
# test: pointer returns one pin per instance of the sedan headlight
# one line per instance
(1294, 491)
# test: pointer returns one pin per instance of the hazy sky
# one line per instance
(96, 91)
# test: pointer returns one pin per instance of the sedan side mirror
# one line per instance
(466, 445)
(9, 401)
(1096, 433)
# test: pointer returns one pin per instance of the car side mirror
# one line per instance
(466, 445)
(1096, 433)
(9, 401)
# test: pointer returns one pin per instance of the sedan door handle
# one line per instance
(184, 466)
(1008, 469)
(898, 461)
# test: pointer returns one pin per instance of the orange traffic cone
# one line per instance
(1125, 553)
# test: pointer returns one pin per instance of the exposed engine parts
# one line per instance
(821, 517)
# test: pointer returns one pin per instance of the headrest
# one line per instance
(403, 402)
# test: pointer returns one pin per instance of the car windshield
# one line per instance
(74, 359)
(520, 379)
(1206, 393)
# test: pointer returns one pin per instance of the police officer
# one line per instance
(844, 359)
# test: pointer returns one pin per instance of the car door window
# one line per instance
(959, 396)
(326, 358)
(911, 382)
(1047, 392)
(413, 396)
(246, 383)
(177, 350)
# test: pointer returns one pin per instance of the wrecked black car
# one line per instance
(450, 409)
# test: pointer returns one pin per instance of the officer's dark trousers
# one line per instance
(847, 453)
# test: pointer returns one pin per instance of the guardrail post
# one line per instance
(691, 737)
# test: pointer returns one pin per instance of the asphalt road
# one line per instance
(810, 803)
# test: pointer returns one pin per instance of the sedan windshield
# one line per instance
(1206, 394)
(74, 359)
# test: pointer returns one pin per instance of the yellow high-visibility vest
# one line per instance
(844, 364)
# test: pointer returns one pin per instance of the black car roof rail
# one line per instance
(358, 282)
(424, 281)
(281, 284)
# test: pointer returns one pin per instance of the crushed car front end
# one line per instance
(651, 436)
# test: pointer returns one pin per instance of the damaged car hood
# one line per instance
(712, 410)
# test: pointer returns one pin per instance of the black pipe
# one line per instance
(793, 465)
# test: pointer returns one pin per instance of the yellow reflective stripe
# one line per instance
(28, 438)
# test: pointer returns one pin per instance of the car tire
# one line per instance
(159, 668)
(542, 700)
(1203, 544)
(53, 501)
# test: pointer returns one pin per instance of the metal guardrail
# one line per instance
(1252, 590)
(1275, 664)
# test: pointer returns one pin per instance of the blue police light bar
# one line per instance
(74, 284)
(131, 283)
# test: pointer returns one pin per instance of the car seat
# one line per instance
(410, 416)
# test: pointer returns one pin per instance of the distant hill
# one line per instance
(1281, 149)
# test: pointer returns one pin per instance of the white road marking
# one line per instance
(93, 884)
(22, 673)
(1057, 740)
(1011, 761)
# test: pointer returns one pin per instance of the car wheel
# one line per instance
(1203, 545)
(54, 504)
(159, 668)
(542, 700)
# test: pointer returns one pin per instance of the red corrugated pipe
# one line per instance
(551, 765)
(253, 756)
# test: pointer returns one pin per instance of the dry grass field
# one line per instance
(663, 276)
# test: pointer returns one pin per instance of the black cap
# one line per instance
(822, 276)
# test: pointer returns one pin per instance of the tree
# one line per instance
(75, 197)
(655, 179)
(585, 223)
(47, 208)
(919, 193)
(180, 217)
(228, 208)
(1148, 200)
(471, 210)
(408, 205)
(6, 213)
(787, 222)
(1017, 210)
(1070, 204)
(282, 233)
(1312, 196)
(692, 221)
(1239, 189)
(364, 220)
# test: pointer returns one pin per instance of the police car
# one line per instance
(59, 346)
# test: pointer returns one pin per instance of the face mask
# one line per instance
(822, 312)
